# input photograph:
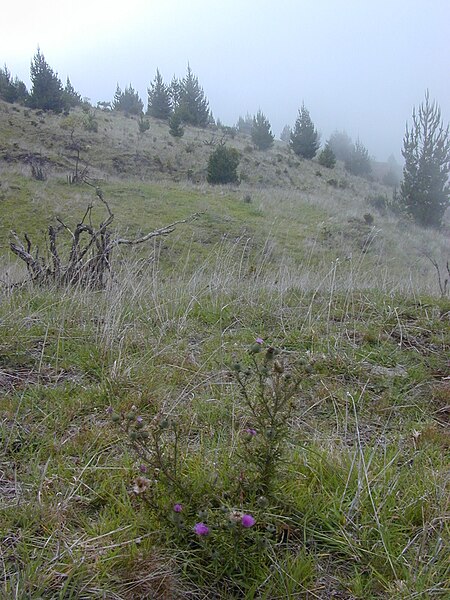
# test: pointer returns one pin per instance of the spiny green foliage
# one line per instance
(425, 189)
(128, 101)
(261, 132)
(12, 90)
(46, 92)
(304, 138)
(327, 157)
(359, 161)
(222, 165)
(159, 100)
(191, 102)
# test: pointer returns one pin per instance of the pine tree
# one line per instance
(285, 135)
(326, 157)
(175, 92)
(70, 96)
(222, 165)
(175, 124)
(261, 133)
(245, 124)
(47, 91)
(304, 138)
(127, 101)
(341, 144)
(193, 105)
(159, 102)
(359, 161)
(425, 189)
(11, 90)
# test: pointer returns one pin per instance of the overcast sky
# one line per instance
(358, 66)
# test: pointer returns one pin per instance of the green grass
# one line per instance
(359, 499)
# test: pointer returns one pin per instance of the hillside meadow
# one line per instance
(256, 405)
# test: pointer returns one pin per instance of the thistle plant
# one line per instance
(157, 445)
(268, 389)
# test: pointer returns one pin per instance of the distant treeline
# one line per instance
(424, 192)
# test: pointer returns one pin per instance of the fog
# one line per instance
(358, 66)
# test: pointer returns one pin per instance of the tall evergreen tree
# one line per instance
(127, 101)
(425, 189)
(193, 106)
(159, 102)
(245, 124)
(175, 92)
(305, 140)
(261, 133)
(46, 91)
(70, 96)
(359, 162)
(326, 157)
(341, 144)
(285, 135)
(11, 90)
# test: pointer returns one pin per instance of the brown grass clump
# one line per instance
(153, 577)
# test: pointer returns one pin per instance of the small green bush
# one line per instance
(222, 165)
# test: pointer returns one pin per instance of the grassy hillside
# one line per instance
(132, 414)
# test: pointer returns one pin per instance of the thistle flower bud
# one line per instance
(255, 348)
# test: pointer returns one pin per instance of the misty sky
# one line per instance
(358, 65)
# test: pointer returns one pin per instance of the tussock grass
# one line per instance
(360, 505)
(362, 497)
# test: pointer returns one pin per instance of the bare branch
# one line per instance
(157, 232)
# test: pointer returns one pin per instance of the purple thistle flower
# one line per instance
(247, 521)
(259, 340)
(177, 508)
(201, 529)
(140, 420)
(143, 468)
(250, 431)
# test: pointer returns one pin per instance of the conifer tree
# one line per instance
(285, 135)
(11, 90)
(222, 165)
(193, 106)
(70, 96)
(46, 91)
(245, 124)
(425, 189)
(127, 101)
(326, 157)
(175, 92)
(341, 144)
(261, 133)
(175, 124)
(159, 102)
(358, 162)
(304, 138)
